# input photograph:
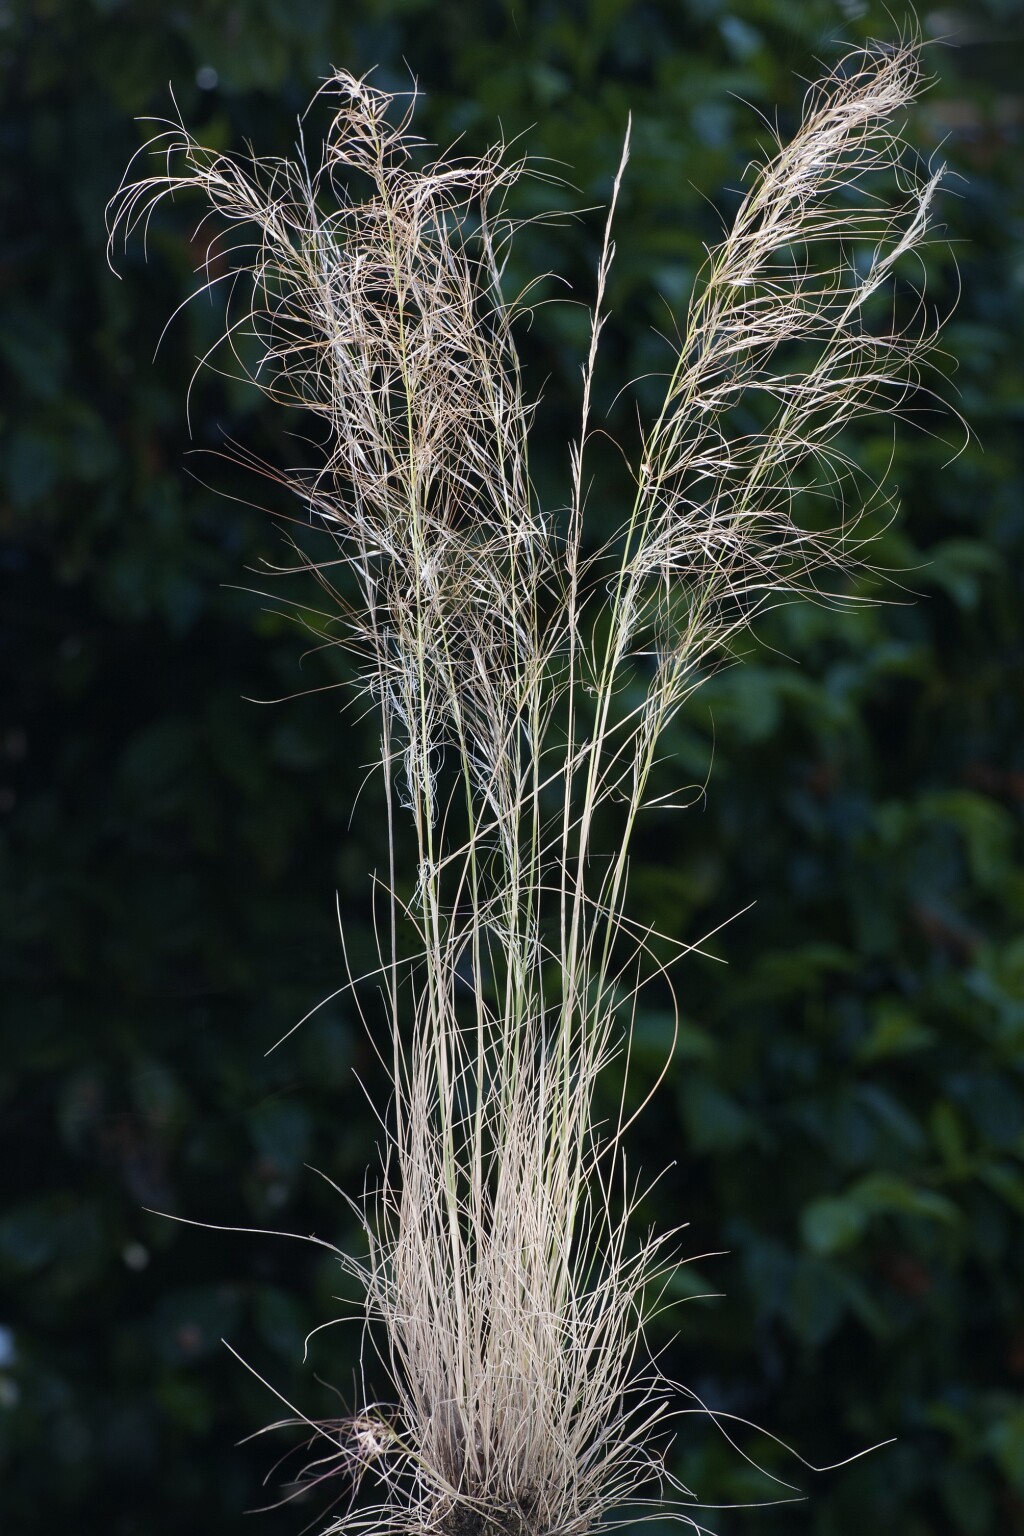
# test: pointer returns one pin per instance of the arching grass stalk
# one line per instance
(524, 679)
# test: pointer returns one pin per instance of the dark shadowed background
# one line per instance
(846, 1111)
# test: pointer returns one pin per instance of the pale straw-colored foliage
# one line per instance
(524, 678)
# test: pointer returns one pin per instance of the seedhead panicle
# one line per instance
(524, 674)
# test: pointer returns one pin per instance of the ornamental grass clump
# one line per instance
(524, 672)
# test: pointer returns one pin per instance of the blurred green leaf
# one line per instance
(880, 1193)
(895, 1032)
(833, 1224)
(1006, 1438)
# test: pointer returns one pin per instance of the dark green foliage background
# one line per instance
(846, 1112)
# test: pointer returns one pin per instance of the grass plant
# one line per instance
(525, 672)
